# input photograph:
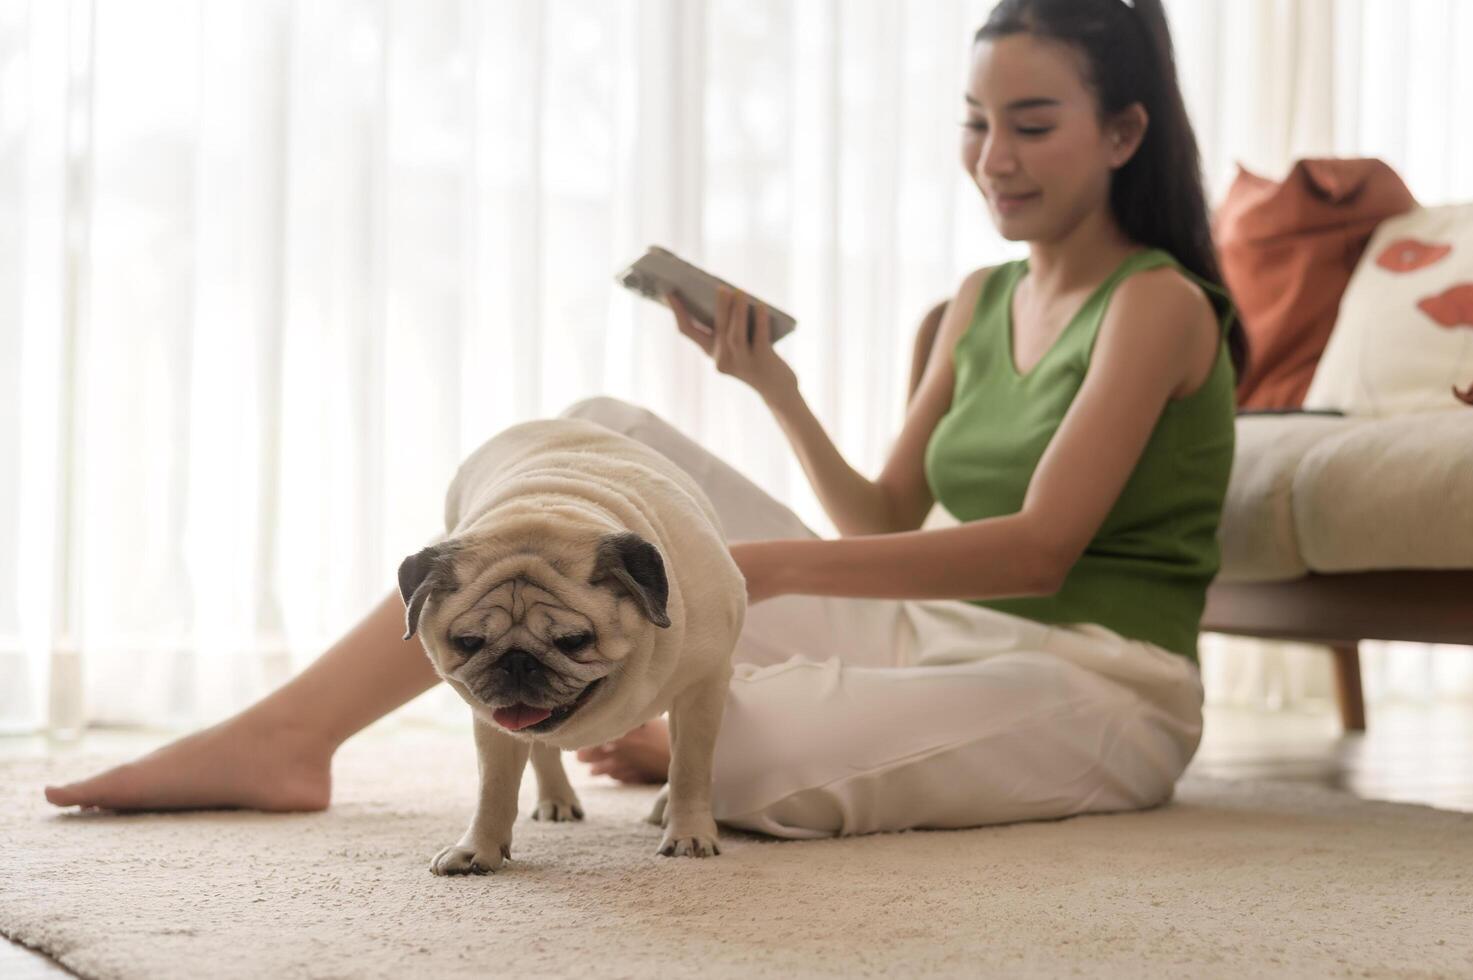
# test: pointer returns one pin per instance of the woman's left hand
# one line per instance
(753, 558)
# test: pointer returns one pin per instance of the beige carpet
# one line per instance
(1230, 880)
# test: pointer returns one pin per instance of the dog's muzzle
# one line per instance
(521, 676)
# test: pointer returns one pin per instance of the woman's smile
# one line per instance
(1010, 203)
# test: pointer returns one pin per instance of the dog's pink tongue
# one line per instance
(519, 716)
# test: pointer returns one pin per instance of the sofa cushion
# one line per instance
(1391, 493)
(1331, 494)
(1287, 249)
(1257, 535)
(1403, 339)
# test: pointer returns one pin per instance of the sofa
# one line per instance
(1339, 529)
(1348, 516)
(1349, 510)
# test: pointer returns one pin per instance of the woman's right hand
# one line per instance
(750, 359)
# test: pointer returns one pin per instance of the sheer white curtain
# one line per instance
(268, 270)
(1270, 81)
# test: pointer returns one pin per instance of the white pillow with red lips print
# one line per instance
(1403, 339)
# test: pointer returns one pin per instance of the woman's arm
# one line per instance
(936, 564)
(900, 499)
(856, 504)
(1149, 345)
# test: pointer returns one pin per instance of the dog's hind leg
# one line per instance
(556, 799)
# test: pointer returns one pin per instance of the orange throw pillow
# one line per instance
(1287, 250)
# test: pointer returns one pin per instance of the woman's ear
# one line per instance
(1124, 134)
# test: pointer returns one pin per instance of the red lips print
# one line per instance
(1409, 255)
(1452, 307)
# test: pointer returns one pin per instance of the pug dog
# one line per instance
(583, 587)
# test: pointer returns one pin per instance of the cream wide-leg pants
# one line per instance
(852, 716)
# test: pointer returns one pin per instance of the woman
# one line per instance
(1075, 414)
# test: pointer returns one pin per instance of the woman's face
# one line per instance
(1033, 142)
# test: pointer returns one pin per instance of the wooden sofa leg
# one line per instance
(1347, 687)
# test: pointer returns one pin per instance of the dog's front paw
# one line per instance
(558, 810)
(698, 845)
(691, 838)
(470, 859)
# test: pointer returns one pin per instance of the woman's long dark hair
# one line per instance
(1157, 195)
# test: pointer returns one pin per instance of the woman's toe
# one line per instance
(60, 795)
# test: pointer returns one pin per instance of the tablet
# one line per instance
(659, 271)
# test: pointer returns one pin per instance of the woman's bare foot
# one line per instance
(243, 762)
(639, 756)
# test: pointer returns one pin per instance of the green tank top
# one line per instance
(1145, 573)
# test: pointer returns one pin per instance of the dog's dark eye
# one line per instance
(468, 644)
(574, 643)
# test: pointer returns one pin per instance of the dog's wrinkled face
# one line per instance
(520, 633)
(521, 645)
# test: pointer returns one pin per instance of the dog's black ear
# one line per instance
(628, 563)
(426, 571)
